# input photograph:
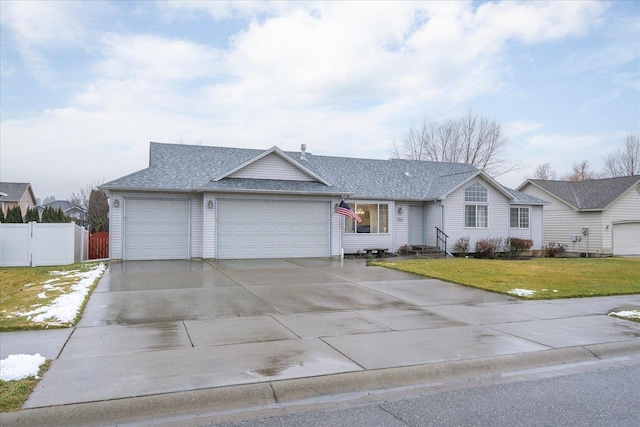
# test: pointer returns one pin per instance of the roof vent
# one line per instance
(303, 150)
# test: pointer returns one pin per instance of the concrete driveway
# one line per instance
(159, 327)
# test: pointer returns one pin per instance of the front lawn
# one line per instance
(44, 297)
(539, 278)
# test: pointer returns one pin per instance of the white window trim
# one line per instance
(364, 202)
(519, 210)
(473, 203)
(476, 220)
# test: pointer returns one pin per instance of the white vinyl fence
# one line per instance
(35, 244)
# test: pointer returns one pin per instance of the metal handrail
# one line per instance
(441, 240)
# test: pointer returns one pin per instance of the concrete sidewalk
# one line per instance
(266, 331)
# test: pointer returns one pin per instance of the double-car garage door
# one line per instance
(160, 229)
(272, 229)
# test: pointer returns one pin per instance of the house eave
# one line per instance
(281, 192)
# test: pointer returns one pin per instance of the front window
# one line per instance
(519, 218)
(375, 219)
(476, 216)
(476, 210)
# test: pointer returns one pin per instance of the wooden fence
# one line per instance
(99, 245)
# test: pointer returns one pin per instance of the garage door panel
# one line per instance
(156, 229)
(272, 229)
(626, 238)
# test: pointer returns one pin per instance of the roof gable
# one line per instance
(15, 191)
(594, 194)
(273, 164)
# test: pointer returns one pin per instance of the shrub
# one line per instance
(514, 247)
(14, 215)
(462, 246)
(553, 250)
(488, 248)
(32, 215)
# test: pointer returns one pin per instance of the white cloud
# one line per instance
(39, 27)
(343, 77)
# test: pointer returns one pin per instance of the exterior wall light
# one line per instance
(210, 204)
(116, 203)
(399, 211)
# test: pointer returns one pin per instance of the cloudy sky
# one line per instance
(86, 85)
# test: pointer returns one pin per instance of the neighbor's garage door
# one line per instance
(156, 229)
(626, 238)
(272, 229)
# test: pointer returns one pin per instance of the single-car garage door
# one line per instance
(156, 229)
(626, 238)
(272, 229)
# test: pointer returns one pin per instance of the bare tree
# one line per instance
(81, 198)
(544, 171)
(472, 139)
(580, 172)
(625, 161)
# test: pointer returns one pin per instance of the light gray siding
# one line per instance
(433, 220)
(400, 225)
(454, 215)
(337, 225)
(209, 226)
(534, 232)
(272, 166)
(197, 227)
(116, 216)
(625, 208)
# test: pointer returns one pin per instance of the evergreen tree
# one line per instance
(32, 215)
(1, 215)
(14, 215)
(47, 215)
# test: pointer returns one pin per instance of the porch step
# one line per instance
(424, 251)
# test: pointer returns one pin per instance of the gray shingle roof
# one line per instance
(594, 194)
(14, 190)
(193, 168)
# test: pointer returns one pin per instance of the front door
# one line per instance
(416, 225)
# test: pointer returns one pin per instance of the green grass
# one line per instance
(550, 278)
(24, 288)
(13, 394)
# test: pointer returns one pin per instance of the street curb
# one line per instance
(163, 407)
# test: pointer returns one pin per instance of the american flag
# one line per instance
(344, 209)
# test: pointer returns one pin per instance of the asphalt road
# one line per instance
(608, 397)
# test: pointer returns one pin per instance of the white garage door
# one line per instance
(156, 229)
(272, 229)
(626, 238)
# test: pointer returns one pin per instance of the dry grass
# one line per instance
(13, 394)
(548, 277)
(24, 288)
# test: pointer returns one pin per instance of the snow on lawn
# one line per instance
(628, 314)
(521, 292)
(64, 309)
(20, 366)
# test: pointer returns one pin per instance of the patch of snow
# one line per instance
(42, 295)
(64, 309)
(20, 366)
(521, 292)
(629, 314)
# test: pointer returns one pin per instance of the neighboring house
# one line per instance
(17, 194)
(73, 211)
(598, 216)
(226, 203)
